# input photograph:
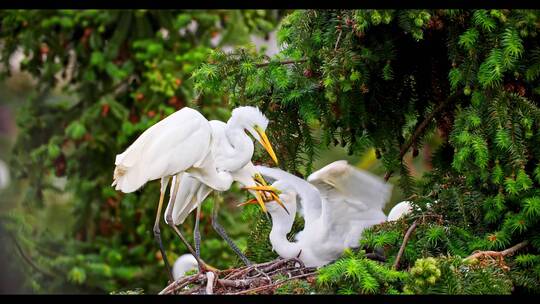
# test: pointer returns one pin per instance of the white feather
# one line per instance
(350, 204)
(183, 264)
(399, 210)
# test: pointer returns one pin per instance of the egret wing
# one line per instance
(357, 187)
(175, 144)
(191, 193)
(351, 200)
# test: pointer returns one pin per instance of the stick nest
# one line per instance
(261, 278)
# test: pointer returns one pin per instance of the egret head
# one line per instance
(287, 196)
(275, 195)
(254, 122)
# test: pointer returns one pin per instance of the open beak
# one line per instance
(263, 188)
(271, 190)
(266, 143)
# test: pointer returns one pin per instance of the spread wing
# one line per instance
(339, 180)
(174, 144)
(310, 199)
(349, 196)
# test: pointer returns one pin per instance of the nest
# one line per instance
(261, 278)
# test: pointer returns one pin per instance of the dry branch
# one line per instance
(405, 240)
(420, 130)
(248, 279)
(498, 254)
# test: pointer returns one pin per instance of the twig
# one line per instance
(27, 258)
(181, 283)
(507, 252)
(273, 284)
(337, 41)
(239, 283)
(285, 62)
(242, 279)
(405, 240)
(419, 130)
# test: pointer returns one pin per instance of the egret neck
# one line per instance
(241, 143)
(281, 225)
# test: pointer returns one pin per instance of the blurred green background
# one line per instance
(77, 88)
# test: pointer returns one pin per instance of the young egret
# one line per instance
(192, 192)
(351, 201)
(399, 210)
(183, 264)
(183, 143)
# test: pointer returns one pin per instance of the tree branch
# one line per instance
(405, 240)
(507, 252)
(274, 284)
(281, 62)
(27, 258)
(420, 130)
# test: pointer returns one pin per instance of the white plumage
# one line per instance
(350, 201)
(175, 144)
(198, 154)
(225, 149)
(183, 264)
(399, 210)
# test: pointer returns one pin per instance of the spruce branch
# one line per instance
(28, 259)
(285, 62)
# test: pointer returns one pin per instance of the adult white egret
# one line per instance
(183, 142)
(192, 191)
(350, 201)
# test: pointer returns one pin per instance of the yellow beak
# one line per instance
(266, 143)
(263, 188)
(258, 189)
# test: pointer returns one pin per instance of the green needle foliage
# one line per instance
(101, 79)
(453, 276)
(388, 79)
(354, 274)
(391, 80)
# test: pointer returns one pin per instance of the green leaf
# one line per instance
(53, 150)
(97, 59)
(77, 275)
(76, 130)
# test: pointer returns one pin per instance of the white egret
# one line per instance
(182, 143)
(183, 264)
(192, 191)
(399, 210)
(350, 201)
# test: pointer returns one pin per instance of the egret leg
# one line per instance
(157, 232)
(203, 267)
(197, 233)
(221, 231)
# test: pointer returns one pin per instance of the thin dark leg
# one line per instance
(197, 233)
(202, 265)
(157, 232)
(219, 229)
